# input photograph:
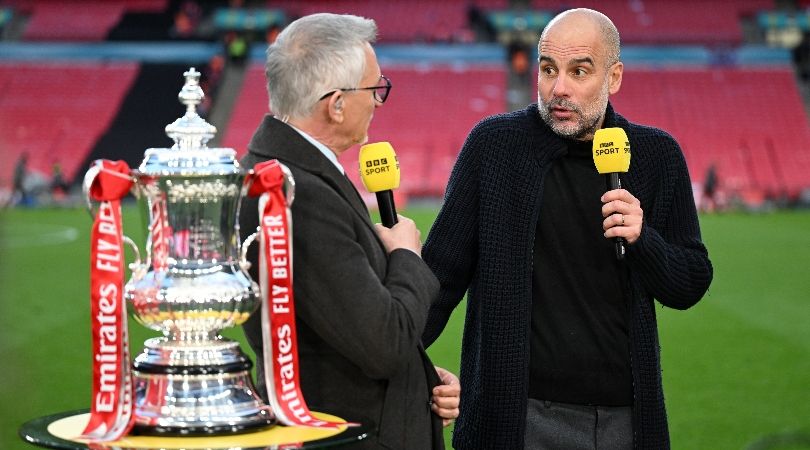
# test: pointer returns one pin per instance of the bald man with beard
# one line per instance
(560, 347)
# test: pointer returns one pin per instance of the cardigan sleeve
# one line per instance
(450, 249)
(669, 257)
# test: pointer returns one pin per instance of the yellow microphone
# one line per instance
(611, 154)
(379, 170)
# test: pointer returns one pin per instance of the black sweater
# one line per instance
(580, 348)
(482, 242)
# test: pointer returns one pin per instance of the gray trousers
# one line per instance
(563, 426)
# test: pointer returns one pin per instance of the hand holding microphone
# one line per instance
(404, 234)
(621, 210)
(379, 171)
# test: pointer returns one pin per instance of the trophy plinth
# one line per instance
(192, 285)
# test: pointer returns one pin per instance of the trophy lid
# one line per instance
(190, 154)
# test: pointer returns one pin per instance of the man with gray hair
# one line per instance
(560, 346)
(362, 291)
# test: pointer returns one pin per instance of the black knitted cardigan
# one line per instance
(482, 242)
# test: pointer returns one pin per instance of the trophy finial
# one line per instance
(192, 76)
(192, 94)
(191, 131)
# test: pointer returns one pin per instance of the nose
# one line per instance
(560, 87)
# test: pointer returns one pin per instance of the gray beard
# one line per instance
(580, 131)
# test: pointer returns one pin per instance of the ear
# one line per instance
(616, 71)
(335, 107)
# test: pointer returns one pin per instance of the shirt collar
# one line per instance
(330, 155)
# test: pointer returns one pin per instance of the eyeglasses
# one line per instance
(380, 91)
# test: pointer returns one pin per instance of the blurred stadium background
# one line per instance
(730, 79)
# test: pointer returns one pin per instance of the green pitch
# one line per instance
(736, 366)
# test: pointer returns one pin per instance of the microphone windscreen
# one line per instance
(379, 167)
(611, 150)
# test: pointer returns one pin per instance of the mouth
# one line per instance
(560, 113)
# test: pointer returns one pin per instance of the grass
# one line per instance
(736, 366)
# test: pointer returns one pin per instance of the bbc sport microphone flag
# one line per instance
(611, 151)
(379, 167)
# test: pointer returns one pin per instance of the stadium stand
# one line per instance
(431, 111)
(91, 21)
(57, 111)
(666, 22)
(81, 20)
(402, 21)
(251, 105)
(428, 115)
(750, 122)
(735, 106)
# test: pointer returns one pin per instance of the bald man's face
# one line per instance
(574, 81)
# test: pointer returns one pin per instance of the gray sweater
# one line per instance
(482, 243)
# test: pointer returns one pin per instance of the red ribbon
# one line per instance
(280, 344)
(111, 410)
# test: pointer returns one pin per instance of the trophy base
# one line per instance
(207, 430)
(178, 395)
(258, 423)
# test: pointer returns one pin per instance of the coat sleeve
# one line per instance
(451, 247)
(374, 319)
(669, 257)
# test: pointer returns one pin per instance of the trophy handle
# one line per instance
(89, 177)
(289, 184)
(289, 192)
(244, 264)
(137, 267)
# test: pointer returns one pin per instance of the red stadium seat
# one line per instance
(78, 20)
(89, 21)
(57, 111)
(400, 21)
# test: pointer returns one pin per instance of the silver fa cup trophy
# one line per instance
(192, 284)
